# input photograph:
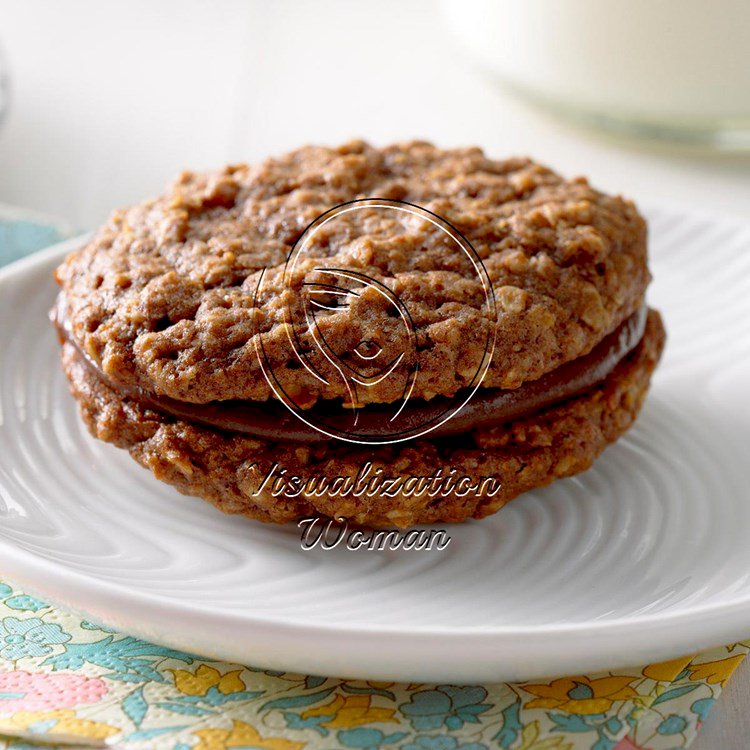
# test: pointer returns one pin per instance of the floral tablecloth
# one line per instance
(63, 676)
(66, 679)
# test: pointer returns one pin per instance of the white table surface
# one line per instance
(728, 724)
(111, 100)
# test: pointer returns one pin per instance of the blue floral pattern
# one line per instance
(29, 637)
(447, 705)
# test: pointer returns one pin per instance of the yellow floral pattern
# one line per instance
(62, 677)
(716, 672)
(582, 695)
(350, 711)
(666, 671)
(204, 678)
(241, 735)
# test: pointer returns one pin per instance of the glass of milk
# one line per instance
(672, 69)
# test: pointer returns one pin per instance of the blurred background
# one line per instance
(107, 102)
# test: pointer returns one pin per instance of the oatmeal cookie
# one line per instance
(392, 336)
(164, 295)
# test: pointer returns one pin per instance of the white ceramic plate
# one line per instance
(644, 557)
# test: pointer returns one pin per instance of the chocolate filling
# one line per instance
(272, 421)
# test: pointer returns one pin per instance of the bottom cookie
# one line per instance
(419, 482)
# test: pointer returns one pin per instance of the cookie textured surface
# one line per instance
(163, 296)
(162, 312)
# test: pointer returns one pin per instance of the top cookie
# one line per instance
(175, 294)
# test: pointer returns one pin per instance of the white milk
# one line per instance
(669, 61)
